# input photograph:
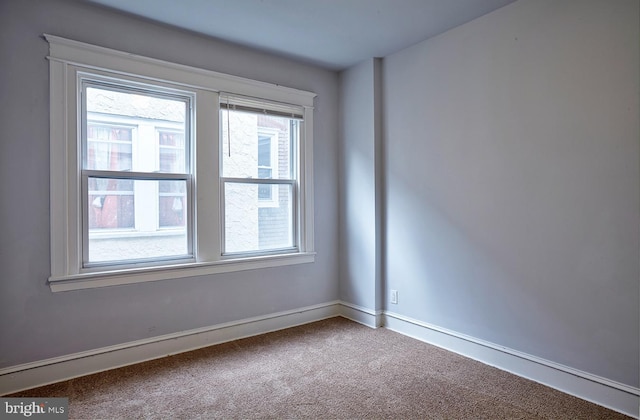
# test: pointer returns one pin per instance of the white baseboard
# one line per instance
(44, 372)
(361, 315)
(610, 394)
(613, 395)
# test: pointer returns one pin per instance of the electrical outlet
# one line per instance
(394, 296)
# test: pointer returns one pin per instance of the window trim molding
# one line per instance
(86, 81)
(67, 58)
(174, 271)
(68, 51)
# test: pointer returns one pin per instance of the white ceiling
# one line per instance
(331, 33)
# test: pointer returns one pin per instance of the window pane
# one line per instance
(264, 151)
(275, 222)
(171, 149)
(136, 219)
(249, 226)
(109, 148)
(134, 131)
(172, 204)
(264, 191)
(111, 203)
(256, 141)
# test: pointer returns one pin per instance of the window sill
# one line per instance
(140, 275)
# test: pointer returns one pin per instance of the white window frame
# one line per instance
(68, 58)
(290, 181)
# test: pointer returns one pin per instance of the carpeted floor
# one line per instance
(329, 369)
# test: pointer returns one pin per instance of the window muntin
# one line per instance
(133, 212)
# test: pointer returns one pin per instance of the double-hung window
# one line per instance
(162, 171)
(136, 176)
(259, 173)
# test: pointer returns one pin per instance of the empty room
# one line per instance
(320, 209)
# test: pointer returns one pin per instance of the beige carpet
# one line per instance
(329, 369)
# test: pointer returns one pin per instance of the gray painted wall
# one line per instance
(34, 322)
(512, 169)
(361, 189)
(357, 186)
(511, 186)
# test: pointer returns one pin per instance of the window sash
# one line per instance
(259, 181)
(136, 176)
(87, 80)
(295, 229)
(143, 176)
(295, 133)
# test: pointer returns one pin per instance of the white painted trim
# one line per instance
(361, 315)
(44, 372)
(306, 211)
(616, 396)
(177, 271)
(58, 163)
(93, 56)
(70, 62)
(605, 392)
